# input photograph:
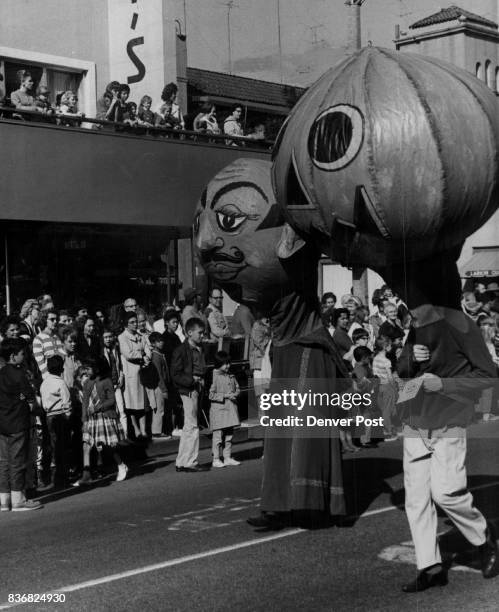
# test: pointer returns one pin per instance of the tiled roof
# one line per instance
(451, 14)
(242, 89)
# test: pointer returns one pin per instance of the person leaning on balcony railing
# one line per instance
(104, 103)
(69, 106)
(168, 113)
(23, 98)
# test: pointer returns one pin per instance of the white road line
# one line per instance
(209, 553)
(164, 564)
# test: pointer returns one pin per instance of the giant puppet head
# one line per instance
(389, 156)
(240, 234)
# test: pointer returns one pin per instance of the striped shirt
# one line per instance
(382, 368)
(44, 346)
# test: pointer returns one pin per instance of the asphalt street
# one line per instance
(163, 540)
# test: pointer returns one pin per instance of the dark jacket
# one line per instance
(458, 355)
(87, 352)
(181, 368)
(15, 393)
(171, 342)
(159, 362)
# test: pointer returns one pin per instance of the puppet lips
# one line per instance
(224, 271)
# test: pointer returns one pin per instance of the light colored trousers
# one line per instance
(434, 473)
(222, 438)
(188, 448)
(157, 402)
(120, 407)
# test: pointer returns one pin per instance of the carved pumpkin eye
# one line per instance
(336, 137)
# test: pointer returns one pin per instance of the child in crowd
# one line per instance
(56, 401)
(118, 109)
(42, 101)
(101, 426)
(159, 395)
(364, 382)
(112, 355)
(388, 385)
(68, 335)
(224, 392)
(145, 115)
(131, 114)
(360, 337)
(16, 401)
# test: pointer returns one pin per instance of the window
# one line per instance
(479, 71)
(488, 74)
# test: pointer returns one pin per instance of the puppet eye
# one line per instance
(336, 137)
(229, 223)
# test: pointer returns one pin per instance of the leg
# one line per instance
(158, 413)
(120, 407)
(216, 444)
(188, 449)
(18, 455)
(4, 464)
(419, 506)
(228, 434)
(449, 486)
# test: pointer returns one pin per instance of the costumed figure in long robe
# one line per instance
(246, 249)
(390, 160)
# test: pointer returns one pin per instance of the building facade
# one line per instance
(471, 42)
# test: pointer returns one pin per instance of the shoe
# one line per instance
(85, 479)
(426, 580)
(231, 461)
(5, 502)
(269, 520)
(217, 463)
(489, 554)
(193, 468)
(122, 472)
(29, 504)
(389, 437)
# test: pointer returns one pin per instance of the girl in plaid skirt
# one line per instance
(101, 425)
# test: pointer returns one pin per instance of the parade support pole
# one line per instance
(7, 280)
(354, 43)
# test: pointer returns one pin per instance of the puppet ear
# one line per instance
(289, 243)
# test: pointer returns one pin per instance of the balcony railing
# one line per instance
(76, 121)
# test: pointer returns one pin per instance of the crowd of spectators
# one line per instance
(116, 111)
(77, 386)
(371, 343)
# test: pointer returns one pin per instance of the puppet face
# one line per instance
(389, 156)
(236, 229)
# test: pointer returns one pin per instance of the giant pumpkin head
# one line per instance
(236, 231)
(389, 156)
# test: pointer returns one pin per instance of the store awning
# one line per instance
(484, 263)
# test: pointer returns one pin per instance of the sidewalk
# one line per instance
(249, 430)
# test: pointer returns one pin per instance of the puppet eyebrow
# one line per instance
(227, 188)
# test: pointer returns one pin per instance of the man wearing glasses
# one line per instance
(47, 343)
(216, 320)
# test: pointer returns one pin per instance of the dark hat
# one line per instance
(189, 294)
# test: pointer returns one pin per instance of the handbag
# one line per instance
(148, 376)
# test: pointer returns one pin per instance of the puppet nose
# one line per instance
(207, 239)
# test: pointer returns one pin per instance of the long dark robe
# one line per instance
(303, 473)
